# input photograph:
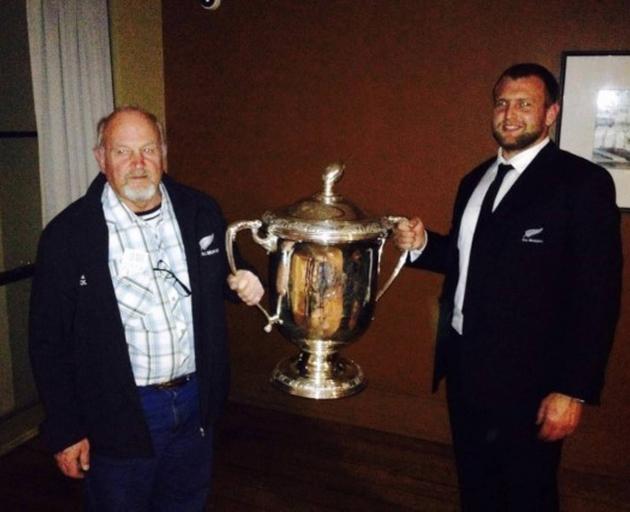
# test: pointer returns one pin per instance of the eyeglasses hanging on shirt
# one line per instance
(169, 275)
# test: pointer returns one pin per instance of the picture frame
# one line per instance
(595, 115)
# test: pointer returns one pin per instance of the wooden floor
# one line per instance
(272, 461)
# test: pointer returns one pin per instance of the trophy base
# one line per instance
(308, 376)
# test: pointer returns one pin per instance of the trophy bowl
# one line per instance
(325, 258)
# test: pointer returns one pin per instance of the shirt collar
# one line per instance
(521, 160)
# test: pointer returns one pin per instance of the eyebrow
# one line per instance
(127, 146)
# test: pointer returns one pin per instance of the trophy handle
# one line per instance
(269, 242)
(393, 220)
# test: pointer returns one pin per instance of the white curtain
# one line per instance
(72, 87)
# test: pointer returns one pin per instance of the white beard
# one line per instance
(141, 195)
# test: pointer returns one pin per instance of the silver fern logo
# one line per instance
(531, 236)
(204, 245)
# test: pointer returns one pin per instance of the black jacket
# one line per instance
(77, 341)
(543, 316)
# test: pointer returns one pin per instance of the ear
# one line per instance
(164, 160)
(99, 155)
(552, 114)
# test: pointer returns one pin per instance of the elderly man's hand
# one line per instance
(247, 286)
(74, 461)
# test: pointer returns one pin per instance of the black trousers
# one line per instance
(501, 464)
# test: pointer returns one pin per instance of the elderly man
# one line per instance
(531, 296)
(128, 329)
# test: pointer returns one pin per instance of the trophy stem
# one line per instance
(319, 372)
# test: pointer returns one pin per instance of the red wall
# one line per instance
(262, 94)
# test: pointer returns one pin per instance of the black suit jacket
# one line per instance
(77, 341)
(544, 315)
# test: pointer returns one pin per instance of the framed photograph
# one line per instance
(595, 115)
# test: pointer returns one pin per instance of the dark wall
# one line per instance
(262, 94)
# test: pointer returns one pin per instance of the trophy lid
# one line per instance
(325, 217)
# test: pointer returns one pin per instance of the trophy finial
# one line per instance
(332, 175)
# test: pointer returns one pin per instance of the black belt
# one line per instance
(171, 384)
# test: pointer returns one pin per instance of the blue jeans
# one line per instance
(176, 478)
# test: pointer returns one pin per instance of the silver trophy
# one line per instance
(325, 261)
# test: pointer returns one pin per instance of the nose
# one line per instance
(510, 110)
(137, 159)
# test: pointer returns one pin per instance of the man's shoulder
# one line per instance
(580, 171)
(71, 216)
(81, 216)
(577, 162)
